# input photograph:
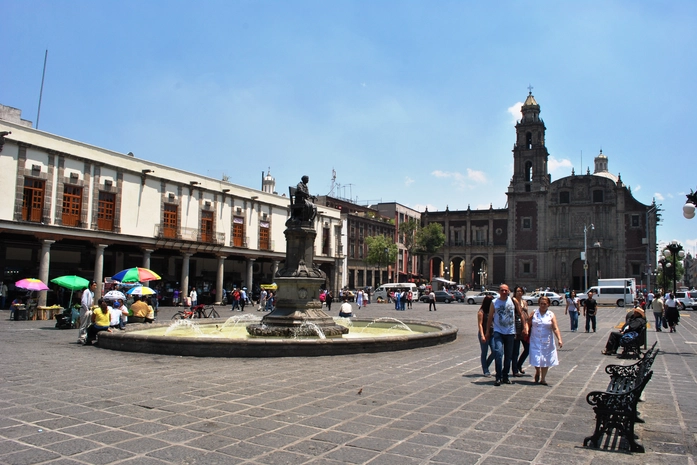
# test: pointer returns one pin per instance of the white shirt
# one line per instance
(87, 299)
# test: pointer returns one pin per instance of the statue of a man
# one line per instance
(303, 208)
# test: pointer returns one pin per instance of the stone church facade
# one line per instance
(539, 239)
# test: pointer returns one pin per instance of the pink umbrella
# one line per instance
(31, 284)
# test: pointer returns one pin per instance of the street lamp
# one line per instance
(663, 264)
(688, 210)
(585, 254)
(676, 250)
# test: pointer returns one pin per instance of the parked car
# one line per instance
(459, 296)
(441, 296)
(554, 298)
(479, 298)
(685, 297)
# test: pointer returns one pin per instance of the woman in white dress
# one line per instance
(543, 327)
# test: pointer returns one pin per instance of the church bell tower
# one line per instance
(530, 154)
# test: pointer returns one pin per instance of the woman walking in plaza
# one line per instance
(544, 328)
(484, 344)
(572, 307)
(517, 358)
(671, 311)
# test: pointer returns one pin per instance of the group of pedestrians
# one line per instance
(402, 298)
(505, 324)
(666, 312)
(573, 308)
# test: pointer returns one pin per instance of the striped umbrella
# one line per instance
(136, 275)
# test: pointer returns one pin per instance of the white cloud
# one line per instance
(408, 181)
(463, 181)
(658, 196)
(637, 188)
(515, 111)
(420, 207)
(476, 176)
(555, 164)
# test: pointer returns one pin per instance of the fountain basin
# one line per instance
(150, 338)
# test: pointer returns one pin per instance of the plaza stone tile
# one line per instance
(427, 406)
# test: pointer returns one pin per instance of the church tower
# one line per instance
(528, 197)
(530, 154)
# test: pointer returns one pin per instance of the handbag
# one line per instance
(665, 323)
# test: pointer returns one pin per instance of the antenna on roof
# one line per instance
(41, 92)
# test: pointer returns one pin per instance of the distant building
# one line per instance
(538, 240)
(361, 222)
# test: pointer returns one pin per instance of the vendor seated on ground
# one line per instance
(635, 321)
(345, 311)
(139, 311)
(119, 315)
(101, 318)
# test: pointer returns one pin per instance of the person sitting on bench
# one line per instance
(635, 322)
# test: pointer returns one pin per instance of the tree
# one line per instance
(407, 235)
(381, 252)
(430, 238)
(665, 275)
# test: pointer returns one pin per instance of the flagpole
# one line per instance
(41, 92)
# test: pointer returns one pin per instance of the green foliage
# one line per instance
(381, 250)
(407, 234)
(667, 273)
(430, 238)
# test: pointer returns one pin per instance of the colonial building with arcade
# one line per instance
(72, 208)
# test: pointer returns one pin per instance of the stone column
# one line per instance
(146, 257)
(219, 280)
(275, 269)
(146, 262)
(44, 263)
(250, 276)
(184, 283)
(99, 270)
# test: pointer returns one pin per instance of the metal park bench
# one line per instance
(616, 407)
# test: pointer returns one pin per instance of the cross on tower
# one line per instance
(530, 88)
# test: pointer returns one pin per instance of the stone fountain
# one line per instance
(299, 281)
(291, 330)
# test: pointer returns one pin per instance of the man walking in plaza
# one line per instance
(86, 312)
(590, 307)
(502, 313)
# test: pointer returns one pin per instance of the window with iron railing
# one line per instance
(207, 226)
(33, 201)
(238, 239)
(72, 205)
(105, 211)
(325, 241)
(264, 236)
(170, 219)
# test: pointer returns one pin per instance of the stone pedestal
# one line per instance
(297, 299)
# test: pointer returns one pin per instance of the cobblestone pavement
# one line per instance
(61, 403)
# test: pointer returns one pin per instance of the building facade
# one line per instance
(72, 208)
(361, 222)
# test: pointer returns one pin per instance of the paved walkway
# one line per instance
(61, 403)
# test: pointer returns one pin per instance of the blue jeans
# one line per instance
(659, 320)
(573, 316)
(486, 360)
(503, 350)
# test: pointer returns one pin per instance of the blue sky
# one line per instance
(408, 101)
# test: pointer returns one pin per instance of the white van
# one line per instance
(610, 295)
(384, 290)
